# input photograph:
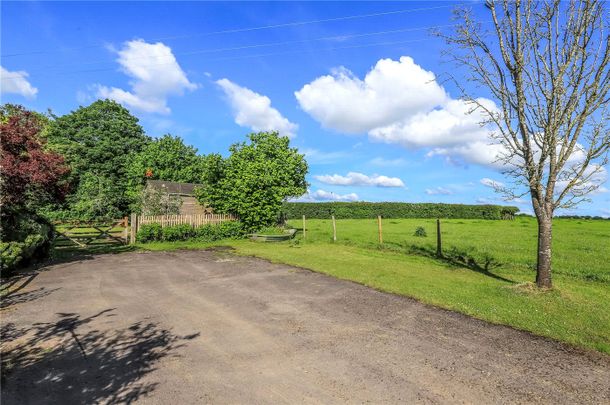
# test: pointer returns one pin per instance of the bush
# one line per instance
(420, 232)
(359, 210)
(10, 255)
(26, 238)
(205, 233)
(177, 232)
(149, 233)
(224, 230)
(19, 254)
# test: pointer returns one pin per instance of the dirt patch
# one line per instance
(208, 326)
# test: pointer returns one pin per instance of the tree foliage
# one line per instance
(30, 177)
(30, 173)
(255, 179)
(166, 158)
(98, 141)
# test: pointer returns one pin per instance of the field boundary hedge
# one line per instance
(360, 210)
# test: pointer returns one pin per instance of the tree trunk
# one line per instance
(543, 268)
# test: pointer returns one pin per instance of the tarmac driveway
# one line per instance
(209, 327)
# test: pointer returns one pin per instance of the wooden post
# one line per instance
(133, 228)
(304, 231)
(379, 229)
(125, 229)
(334, 230)
(439, 247)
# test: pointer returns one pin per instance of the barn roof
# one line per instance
(173, 187)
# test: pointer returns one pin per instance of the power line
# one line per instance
(237, 30)
(252, 56)
(269, 44)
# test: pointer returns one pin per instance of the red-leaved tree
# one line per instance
(27, 171)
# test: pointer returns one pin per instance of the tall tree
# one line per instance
(98, 141)
(255, 179)
(546, 64)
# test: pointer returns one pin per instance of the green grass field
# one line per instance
(581, 248)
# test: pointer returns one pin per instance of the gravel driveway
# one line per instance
(209, 327)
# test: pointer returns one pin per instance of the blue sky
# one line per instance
(362, 93)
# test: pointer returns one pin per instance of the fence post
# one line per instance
(126, 230)
(304, 231)
(439, 247)
(133, 228)
(379, 229)
(334, 229)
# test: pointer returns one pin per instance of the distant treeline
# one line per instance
(357, 210)
(582, 217)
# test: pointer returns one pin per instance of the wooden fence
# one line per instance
(195, 220)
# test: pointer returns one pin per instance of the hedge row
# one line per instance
(205, 233)
(357, 210)
(17, 254)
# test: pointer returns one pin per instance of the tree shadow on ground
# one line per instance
(11, 289)
(65, 254)
(461, 258)
(69, 361)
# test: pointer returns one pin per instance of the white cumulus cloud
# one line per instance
(359, 179)
(322, 195)
(156, 75)
(399, 102)
(254, 110)
(16, 82)
(391, 91)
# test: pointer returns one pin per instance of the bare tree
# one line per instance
(546, 63)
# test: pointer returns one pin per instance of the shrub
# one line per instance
(224, 230)
(177, 232)
(205, 233)
(26, 238)
(19, 254)
(359, 210)
(10, 255)
(149, 233)
(231, 230)
(420, 232)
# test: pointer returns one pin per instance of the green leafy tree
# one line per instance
(166, 158)
(97, 197)
(255, 179)
(98, 141)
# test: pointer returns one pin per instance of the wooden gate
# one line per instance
(83, 234)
